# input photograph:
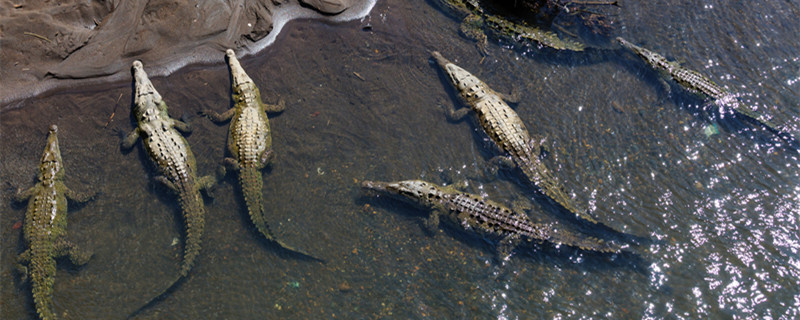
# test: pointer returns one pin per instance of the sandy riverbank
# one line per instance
(46, 46)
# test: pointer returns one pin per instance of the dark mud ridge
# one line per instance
(52, 44)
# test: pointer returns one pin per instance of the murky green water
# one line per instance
(719, 209)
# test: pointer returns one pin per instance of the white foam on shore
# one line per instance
(10, 96)
(282, 15)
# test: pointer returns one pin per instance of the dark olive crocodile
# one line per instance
(172, 157)
(249, 142)
(699, 84)
(46, 227)
(508, 132)
(485, 216)
(476, 20)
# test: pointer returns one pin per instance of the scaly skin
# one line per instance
(46, 227)
(249, 142)
(484, 216)
(508, 132)
(171, 154)
(699, 84)
(475, 19)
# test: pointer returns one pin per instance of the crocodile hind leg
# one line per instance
(207, 184)
(537, 143)
(227, 163)
(164, 181)
(265, 158)
(506, 247)
(231, 163)
(77, 256)
(22, 261)
(499, 162)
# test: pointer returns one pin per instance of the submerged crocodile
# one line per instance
(46, 227)
(699, 84)
(508, 132)
(249, 142)
(476, 19)
(170, 153)
(484, 216)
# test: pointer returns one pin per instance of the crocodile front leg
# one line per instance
(219, 117)
(78, 257)
(130, 139)
(512, 97)
(454, 115)
(275, 108)
(79, 197)
(432, 222)
(181, 126)
(22, 196)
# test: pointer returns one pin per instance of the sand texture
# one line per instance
(46, 45)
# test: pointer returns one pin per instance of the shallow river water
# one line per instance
(711, 200)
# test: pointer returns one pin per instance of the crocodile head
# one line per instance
(51, 167)
(238, 75)
(147, 101)
(415, 191)
(651, 57)
(243, 85)
(460, 78)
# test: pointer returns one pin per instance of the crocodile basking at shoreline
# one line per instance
(249, 142)
(483, 216)
(172, 157)
(699, 84)
(46, 227)
(508, 132)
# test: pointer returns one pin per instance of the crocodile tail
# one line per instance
(585, 242)
(542, 178)
(158, 297)
(191, 203)
(252, 183)
(43, 274)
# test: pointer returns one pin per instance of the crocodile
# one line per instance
(475, 19)
(485, 217)
(249, 142)
(170, 153)
(701, 85)
(508, 132)
(46, 227)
